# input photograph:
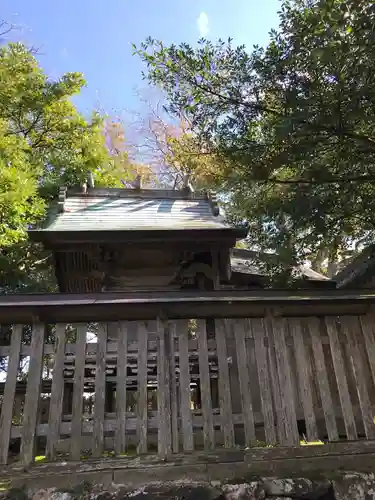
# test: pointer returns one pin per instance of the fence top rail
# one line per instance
(115, 306)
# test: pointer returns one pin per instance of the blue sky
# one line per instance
(94, 37)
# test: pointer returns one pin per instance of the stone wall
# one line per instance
(347, 486)
(300, 473)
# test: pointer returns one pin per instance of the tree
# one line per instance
(168, 145)
(152, 130)
(118, 147)
(293, 122)
(44, 143)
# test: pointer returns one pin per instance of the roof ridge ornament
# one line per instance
(61, 199)
(137, 184)
(90, 180)
(187, 186)
(214, 204)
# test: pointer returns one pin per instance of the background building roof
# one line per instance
(359, 272)
(247, 262)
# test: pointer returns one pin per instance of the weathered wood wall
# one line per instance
(267, 380)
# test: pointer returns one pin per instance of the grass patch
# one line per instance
(261, 444)
(4, 485)
(311, 443)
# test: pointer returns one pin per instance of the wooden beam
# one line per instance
(51, 308)
(142, 388)
(185, 410)
(226, 412)
(341, 379)
(204, 375)
(100, 378)
(313, 325)
(57, 392)
(32, 399)
(9, 393)
(260, 337)
(120, 444)
(75, 450)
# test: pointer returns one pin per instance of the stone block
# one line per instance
(186, 491)
(355, 486)
(301, 488)
(246, 491)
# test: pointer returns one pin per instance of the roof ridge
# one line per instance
(135, 193)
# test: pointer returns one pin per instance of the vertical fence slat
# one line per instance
(173, 384)
(277, 325)
(9, 392)
(162, 445)
(244, 381)
(77, 405)
(166, 360)
(99, 407)
(287, 393)
(275, 383)
(185, 410)
(257, 326)
(342, 384)
(142, 388)
(304, 378)
(57, 392)
(351, 328)
(204, 374)
(368, 330)
(122, 352)
(163, 391)
(32, 398)
(226, 413)
(321, 372)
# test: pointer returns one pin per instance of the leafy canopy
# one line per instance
(293, 124)
(44, 143)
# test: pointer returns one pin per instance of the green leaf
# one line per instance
(291, 126)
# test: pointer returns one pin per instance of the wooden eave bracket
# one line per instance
(61, 199)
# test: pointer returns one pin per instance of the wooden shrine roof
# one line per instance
(132, 210)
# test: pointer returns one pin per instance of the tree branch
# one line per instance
(5, 28)
(260, 107)
(334, 180)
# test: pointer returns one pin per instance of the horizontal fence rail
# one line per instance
(166, 385)
(76, 307)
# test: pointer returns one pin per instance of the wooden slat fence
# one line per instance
(167, 386)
